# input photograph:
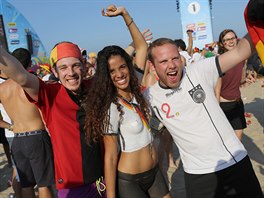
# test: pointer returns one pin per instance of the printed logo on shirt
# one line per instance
(197, 94)
(173, 92)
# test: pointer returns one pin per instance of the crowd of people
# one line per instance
(87, 125)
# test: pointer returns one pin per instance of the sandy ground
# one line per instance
(253, 97)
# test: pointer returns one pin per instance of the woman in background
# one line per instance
(228, 86)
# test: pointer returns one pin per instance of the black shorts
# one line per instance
(144, 185)
(237, 181)
(34, 159)
(3, 139)
(235, 114)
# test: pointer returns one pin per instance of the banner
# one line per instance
(196, 16)
(16, 31)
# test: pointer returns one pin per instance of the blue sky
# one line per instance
(80, 21)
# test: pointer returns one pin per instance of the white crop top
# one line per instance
(133, 132)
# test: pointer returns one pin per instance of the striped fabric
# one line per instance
(254, 17)
(135, 108)
(64, 50)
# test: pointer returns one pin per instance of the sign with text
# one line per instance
(196, 16)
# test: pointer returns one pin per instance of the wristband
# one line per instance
(130, 22)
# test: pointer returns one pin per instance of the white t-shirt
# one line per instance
(187, 57)
(191, 113)
(196, 57)
(133, 133)
(46, 77)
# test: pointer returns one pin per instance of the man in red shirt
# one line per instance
(78, 166)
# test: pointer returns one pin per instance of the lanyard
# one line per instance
(135, 108)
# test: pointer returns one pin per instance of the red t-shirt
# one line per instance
(231, 82)
(75, 163)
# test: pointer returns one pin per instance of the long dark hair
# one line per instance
(103, 93)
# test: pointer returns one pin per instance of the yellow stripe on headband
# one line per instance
(64, 50)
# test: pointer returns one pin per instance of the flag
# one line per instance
(254, 17)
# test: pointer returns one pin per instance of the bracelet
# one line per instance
(130, 22)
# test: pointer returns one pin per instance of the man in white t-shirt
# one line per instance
(215, 162)
(196, 55)
(186, 52)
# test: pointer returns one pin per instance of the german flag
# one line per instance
(254, 17)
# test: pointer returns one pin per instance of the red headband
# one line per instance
(64, 50)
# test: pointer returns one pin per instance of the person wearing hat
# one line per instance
(92, 56)
(45, 70)
(78, 165)
(91, 64)
(88, 68)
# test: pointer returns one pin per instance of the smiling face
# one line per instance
(119, 74)
(168, 65)
(229, 41)
(69, 72)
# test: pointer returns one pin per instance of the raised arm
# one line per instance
(138, 39)
(147, 34)
(241, 52)
(14, 70)
(190, 42)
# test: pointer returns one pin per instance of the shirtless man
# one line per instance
(31, 148)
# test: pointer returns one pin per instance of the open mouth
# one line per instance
(173, 76)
